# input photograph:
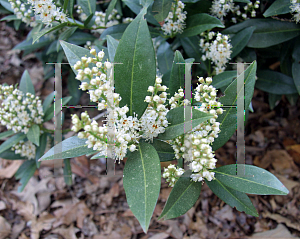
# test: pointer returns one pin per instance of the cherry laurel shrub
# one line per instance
(139, 78)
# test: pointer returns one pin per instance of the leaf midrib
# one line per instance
(142, 159)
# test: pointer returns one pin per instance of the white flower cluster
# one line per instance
(295, 10)
(175, 20)
(22, 13)
(196, 144)
(249, 9)
(48, 11)
(100, 19)
(127, 20)
(19, 111)
(25, 149)
(220, 8)
(154, 120)
(172, 174)
(217, 51)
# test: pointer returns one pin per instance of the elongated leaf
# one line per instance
(9, 18)
(111, 6)
(164, 57)
(223, 79)
(161, 9)
(11, 141)
(25, 172)
(141, 182)
(6, 5)
(296, 65)
(41, 33)
(74, 53)
(41, 149)
(199, 23)
(71, 147)
(6, 134)
(88, 6)
(268, 32)
(182, 198)
(27, 44)
(9, 154)
(177, 74)
(232, 197)
(135, 44)
(227, 119)
(240, 40)
(98, 155)
(67, 172)
(73, 87)
(26, 84)
(65, 35)
(278, 7)
(49, 114)
(70, 7)
(79, 38)
(115, 31)
(34, 134)
(112, 45)
(191, 47)
(47, 102)
(164, 150)
(273, 100)
(176, 119)
(255, 181)
(275, 82)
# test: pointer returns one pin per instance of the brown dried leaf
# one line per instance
(10, 170)
(67, 233)
(5, 228)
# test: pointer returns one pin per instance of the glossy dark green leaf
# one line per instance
(98, 155)
(9, 154)
(296, 65)
(292, 98)
(25, 172)
(228, 118)
(232, 197)
(6, 134)
(49, 114)
(268, 32)
(34, 134)
(111, 6)
(115, 31)
(41, 149)
(27, 44)
(112, 45)
(9, 18)
(46, 30)
(164, 57)
(177, 74)
(161, 9)
(135, 44)
(65, 35)
(47, 102)
(141, 180)
(6, 5)
(255, 180)
(176, 119)
(286, 61)
(73, 87)
(191, 47)
(26, 83)
(273, 100)
(52, 47)
(66, 2)
(80, 38)
(164, 150)
(71, 147)
(182, 198)
(278, 7)
(11, 141)
(17, 24)
(275, 82)
(223, 79)
(67, 172)
(240, 40)
(199, 23)
(70, 7)
(88, 6)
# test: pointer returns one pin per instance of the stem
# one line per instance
(209, 69)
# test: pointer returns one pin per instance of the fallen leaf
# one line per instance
(2, 205)
(67, 233)
(5, 228)
(10, 170)
(161, 235)
(280, 219)
(279, 232)
(17, 229)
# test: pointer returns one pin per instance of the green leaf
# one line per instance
(70, 7)
(223, 79)
(278, 7)
(88, 6)
(292, 98)
(232, 197)
(182, 198)
(111, 6)
(115, 31)
(26, 83)
(17, 24)
(177, 74)
(6, 5)
(275, 82)
(41, 33)
(199, 23)
(9, 154)
(176, 119)
(228, 118)
(98, 155)
(164, 150)
(9, 18)
(41, 149)
(74, 53)
(268, 32)
(141, 180)
(255, 181)
(135, 44)
(6, 134)
(34, 134)
(52, 47)
(273, 100)
(73, 87)
(164, 57)
(191, 47)
(71, 147)
(161, 9)
(88, 20)
(65, 5)
(25, 172)
(65, 35)
(27, 44)
(47, 102)
(49, 114)
(11, 141)
(80, 38)
(240, 40)
(296, 65)
(112, 45)
(244, 1)
(67, 172)
(146, 3)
